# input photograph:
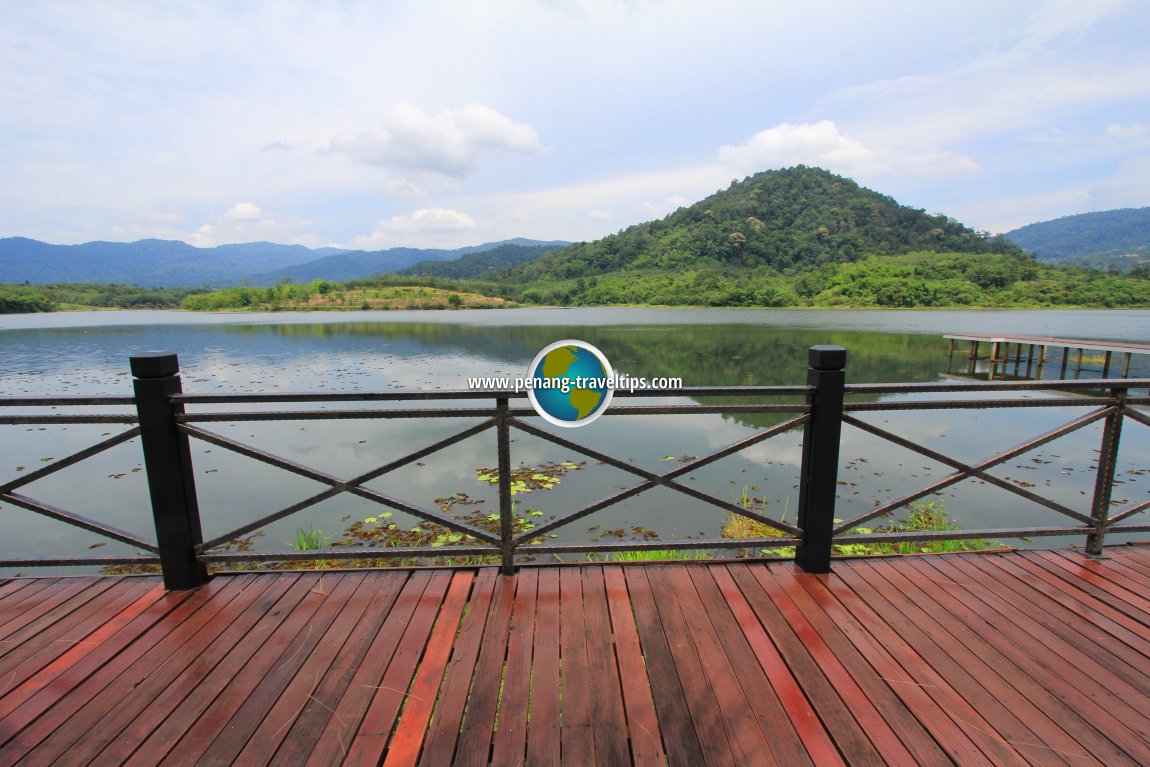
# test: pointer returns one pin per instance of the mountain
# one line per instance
(781, 219)
(359, 264)
(146, 262)
(1119, 238)
(477, 266)
(170, 263)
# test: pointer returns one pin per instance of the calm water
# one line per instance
(87, 353)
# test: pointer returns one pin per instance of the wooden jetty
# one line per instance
(1016, 658)
(1000, 356)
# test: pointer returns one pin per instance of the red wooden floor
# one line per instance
(1019, 658)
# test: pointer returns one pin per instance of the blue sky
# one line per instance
(442, 123)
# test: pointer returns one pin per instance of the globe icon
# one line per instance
(570, 383)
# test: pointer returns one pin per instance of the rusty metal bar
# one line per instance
(453, 394)
(998, 404)
(1127, 513)
(70, 460)
(944, 459)
(61, 420)
(96, 399)
(958, 476)
(75, 520)
(654, 480)
(1107, 465)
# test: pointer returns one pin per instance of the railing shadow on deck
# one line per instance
(822, 407)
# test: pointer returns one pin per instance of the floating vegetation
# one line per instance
(922, 517)
(525, 479)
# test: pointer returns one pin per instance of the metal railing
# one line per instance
(1106, 400)
(165, 429)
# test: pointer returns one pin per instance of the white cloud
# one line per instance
(244, 211)
(1129, 132)
(820, 144)
(447, 143)
(600, 215)
(246, 222)
(1128, 188)
(403, 188)
(425, 224)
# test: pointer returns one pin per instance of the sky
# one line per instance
(445, 123)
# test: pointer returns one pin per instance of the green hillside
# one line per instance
(1110, 238)
(478, 266)
(782, 219)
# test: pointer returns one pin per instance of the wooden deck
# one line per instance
(1018, 658)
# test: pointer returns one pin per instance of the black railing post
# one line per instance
(168, 462)
(1104, 480)
(819, 479)
(506, 517)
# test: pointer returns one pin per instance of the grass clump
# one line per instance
(922, 517)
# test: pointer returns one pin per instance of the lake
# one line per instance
(87, 353)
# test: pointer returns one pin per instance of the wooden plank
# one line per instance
(1134, 557)
(1079, 602)
(1120, 572)
(679, 736)
(746, 739)
(193, 671)
(761, 591)
(44, 618)
(260, 692)
(639, 706)
(71, 623)
(483, 702)
(408, 739)
(971, 629)
(45, 688)
(963, 700)
(128, 702)
(205, 713)
(697, 687)
(543, 734)
(895, 664)
(577, 740)
(15, 595)
(1084, 579)
(380, 718)
(914, 741)
(62, 716)
(510, 740)
(439, 744)
(1016, 692)
(1099, 706)
(1094, 703)
(608, 722)
(812, 735)
(786, 592)
(319, 688)
(332, 744)
(940, 660)
(181, 737)
(1082, 633)
(35, 599)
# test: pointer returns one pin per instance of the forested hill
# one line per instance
(1118, 238)
(797, 217)
(478, 266)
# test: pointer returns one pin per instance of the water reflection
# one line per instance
(730, 349)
